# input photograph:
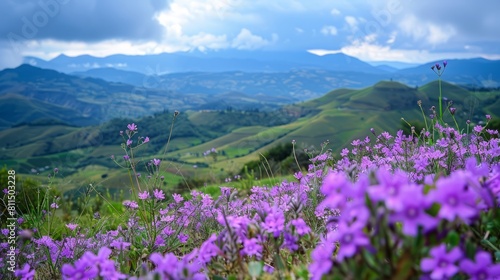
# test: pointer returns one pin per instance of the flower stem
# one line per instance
(440, 101)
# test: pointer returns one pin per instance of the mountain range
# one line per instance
(339, 116)
(238, 80)
(143, 70)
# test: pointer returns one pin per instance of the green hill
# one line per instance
(16, 109)
(343, 115)
(339, 116)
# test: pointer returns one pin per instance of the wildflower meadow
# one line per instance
(419, 205)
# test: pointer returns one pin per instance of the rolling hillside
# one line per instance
(339, 116)
(29, 93)
(344, 115)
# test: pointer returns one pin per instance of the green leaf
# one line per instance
(470, 249)
(370, 259)
(255, 268)
(302, 272)
(433, 211)
(497, 256)
(453, 239)
(279, 262)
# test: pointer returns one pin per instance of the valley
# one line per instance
(79, 133)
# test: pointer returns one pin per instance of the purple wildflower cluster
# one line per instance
(390, 207)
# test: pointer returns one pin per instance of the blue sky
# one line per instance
(379, 30)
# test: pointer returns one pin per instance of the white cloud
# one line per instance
(248, 41)
(335, 12)
(392, 38)
(352, 22)
(198, 24)
(431, 33)
(322, 52)
(395, 30)
(329, 30)
(48, 49)
(375, 52)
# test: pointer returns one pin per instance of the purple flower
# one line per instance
(107, 267)
(443, 142)
(445, 63)
(170, 267)
(300, 226)
(333, 185)
(183, 238)
(478, 128)
(321, 260)
(168, 231)
(132, 127)
(54, 205)
(80, 270)
(413, 214)
(251, 247)
(159, 194)
(177, 198)
(441, 264)
(146, 140)
(165, 265)
(130, 204)
(126, 157)
(488, 117)
(453, 110)
(274, 222)
(350, 238)
(290, 242)
(208, 250)
(268, 269)
(144, 195)
(119, 245)
(56, 170)
(129, 142)
(389, 188)
(25, 273)
(456, 201)
(156, 162)
(483, 268)
(71, 226)
(159, 241)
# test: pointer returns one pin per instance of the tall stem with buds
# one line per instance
(439, 71)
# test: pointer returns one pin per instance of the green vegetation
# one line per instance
(241, 137)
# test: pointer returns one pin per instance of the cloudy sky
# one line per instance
(414, 31)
